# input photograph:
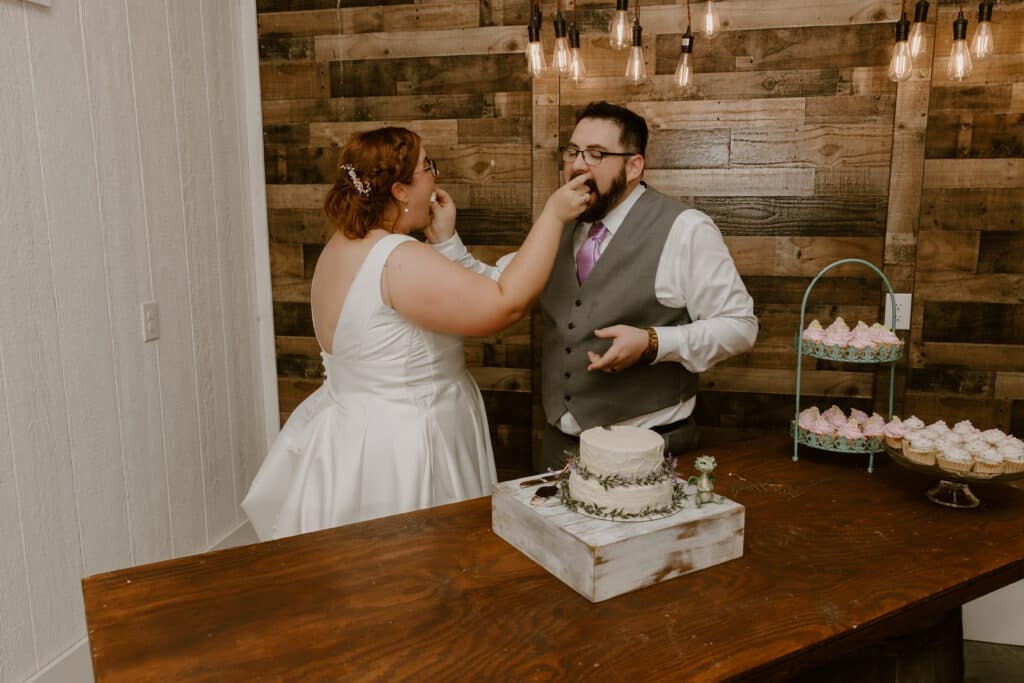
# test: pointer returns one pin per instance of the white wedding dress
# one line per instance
(398, 424)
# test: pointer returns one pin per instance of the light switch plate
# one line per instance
(150, 321)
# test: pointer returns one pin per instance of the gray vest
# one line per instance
(619, 290)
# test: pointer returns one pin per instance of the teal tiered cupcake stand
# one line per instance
(889, 355)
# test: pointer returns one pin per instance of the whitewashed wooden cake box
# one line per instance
(601, 559)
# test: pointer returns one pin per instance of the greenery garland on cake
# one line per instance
(667, 470)
(678, 497)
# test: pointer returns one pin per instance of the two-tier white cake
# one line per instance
(621, 473)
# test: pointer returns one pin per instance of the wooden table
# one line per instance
(836, 559)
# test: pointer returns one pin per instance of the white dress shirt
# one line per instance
(695, 272)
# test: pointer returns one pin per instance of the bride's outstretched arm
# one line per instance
(437, 294)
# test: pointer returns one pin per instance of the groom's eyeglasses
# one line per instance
(591, 157)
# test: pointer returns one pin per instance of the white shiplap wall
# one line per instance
(122, 180)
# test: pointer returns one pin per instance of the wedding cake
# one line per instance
(621, 473)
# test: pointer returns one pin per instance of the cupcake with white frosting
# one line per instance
(913, 424)
(993, 436)
(919, 449)
(965, 428)
(989, 462)
(1012, 452)
(894, 433)
(955, 461)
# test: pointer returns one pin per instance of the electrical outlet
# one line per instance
(902, 311)
(150, 321)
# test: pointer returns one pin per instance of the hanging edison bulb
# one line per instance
(618, 31)
(683, 76)
(982, 45)
(534, 53)
(902, 64)
(636, 70)
(917, 31)
(561, 57)
(577, 70)
(710, 23)
(959, 66)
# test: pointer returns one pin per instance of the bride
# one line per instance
(399, 423)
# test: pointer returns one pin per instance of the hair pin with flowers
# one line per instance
(363, 188)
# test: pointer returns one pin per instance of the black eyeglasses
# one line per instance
(591, 157)
(429, 166)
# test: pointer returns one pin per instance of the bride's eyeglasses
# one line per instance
(429, 166)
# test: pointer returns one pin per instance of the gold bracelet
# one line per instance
(650, 354)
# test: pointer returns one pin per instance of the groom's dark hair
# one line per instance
(632, 126)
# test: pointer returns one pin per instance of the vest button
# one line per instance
(578, 302)
(568, 349)
(572, 326)
(568, 397)
(568, 375)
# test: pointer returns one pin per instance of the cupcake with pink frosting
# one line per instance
(822, 427)
(874, 426)
(838, 333)
(859, 415)
(835, 415)
(814, 333)
(850, 430)
(808, 418)
(861, 337)
(884, 337)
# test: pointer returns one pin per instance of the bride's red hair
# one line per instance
(369, 164)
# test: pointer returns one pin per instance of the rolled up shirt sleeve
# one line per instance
(697, 272)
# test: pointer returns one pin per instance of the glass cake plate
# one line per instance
(953, 489)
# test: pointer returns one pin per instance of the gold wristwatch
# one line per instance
(650, 354)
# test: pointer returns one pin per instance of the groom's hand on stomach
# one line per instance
(628, 344)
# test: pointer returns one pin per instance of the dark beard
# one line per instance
(604, 202)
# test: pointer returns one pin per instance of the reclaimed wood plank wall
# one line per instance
(795, 141)
(967, 354)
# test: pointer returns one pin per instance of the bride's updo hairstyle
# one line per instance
(368, 165)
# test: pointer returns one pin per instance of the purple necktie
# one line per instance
(589, 251)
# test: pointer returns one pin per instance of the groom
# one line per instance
(644, 296)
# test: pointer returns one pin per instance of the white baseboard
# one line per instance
(74, 665)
